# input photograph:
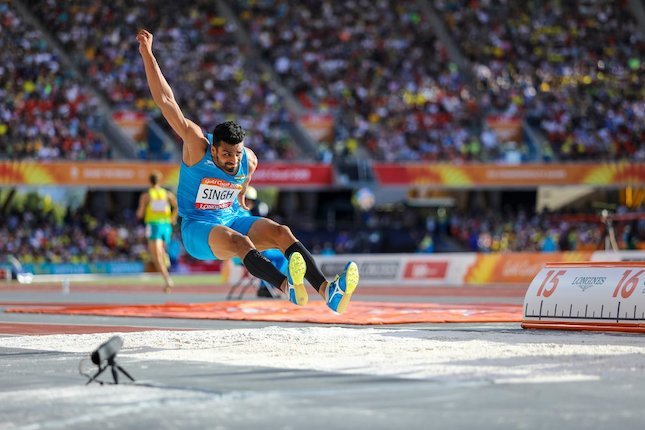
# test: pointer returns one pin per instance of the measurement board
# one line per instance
(587, 296)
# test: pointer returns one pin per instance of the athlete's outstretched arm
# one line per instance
(194, 141)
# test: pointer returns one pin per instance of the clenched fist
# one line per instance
(144, 37)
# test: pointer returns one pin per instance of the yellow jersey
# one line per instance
(158, 209)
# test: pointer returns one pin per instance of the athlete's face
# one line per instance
(227, 156)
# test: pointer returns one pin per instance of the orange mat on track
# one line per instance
(364, 313)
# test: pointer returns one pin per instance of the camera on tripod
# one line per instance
(105, 356)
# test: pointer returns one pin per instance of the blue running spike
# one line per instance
(296, 290)
(339, 292)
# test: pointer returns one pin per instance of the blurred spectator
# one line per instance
(377, 67)
(34, 236)
(44, 112)
(546, 232)
(575, 68)
(199, 56)
(427, 244)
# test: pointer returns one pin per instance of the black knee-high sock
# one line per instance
(260, 267)
(314, 275)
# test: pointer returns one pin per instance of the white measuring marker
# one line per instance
(587, 296)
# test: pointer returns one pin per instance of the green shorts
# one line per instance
(159, 230)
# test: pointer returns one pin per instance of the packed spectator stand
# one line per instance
(44, 112)
(35, 234)
(573, 68)
(378, 68)
(210, 73)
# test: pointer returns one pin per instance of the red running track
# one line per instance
(31, 329)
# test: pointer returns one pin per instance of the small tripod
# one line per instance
(111, 362)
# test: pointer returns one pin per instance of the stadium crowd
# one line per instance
(406, 231)
(44, 112)
(209, 71)
(519, 231)
(34, 235)
(37, 236)
(378, 68)
(573, 68)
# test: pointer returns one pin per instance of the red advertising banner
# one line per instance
(135, 175)
(311, 175)
(294, 175)
(524, 175)
(424, 270)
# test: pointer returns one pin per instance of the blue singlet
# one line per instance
(206, 197)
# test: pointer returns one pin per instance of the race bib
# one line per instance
(159, 206)
(216, 194)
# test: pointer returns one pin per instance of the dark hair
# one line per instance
(228, 132)
(155, 177)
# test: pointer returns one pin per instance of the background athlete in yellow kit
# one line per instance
(158, 209)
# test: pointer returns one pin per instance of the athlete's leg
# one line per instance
(267, 234)
(157, 234)
(166, 235)
(226, 243)
(157, 254)
(337, 294)
(277, 258)
(210, 241)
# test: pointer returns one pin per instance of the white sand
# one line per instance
(460, 356)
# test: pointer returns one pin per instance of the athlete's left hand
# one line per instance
(144, 37)
(241, 199)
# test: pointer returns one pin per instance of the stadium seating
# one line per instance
(574, 68)
(37, 236)
(377, 67)
(44, 112)
(380, 71)
(198, 54)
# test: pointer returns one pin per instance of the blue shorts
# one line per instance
(159, 230)
(195, 234)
